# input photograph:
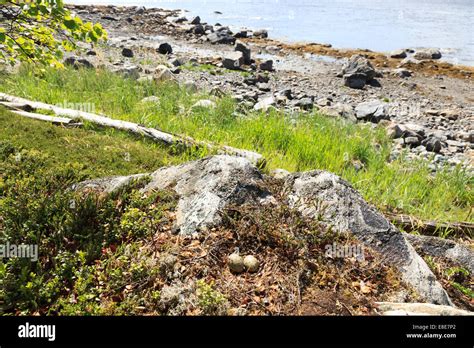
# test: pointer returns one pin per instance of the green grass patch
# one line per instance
(92, 151)
(297, 142)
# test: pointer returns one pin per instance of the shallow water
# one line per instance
(379, 25)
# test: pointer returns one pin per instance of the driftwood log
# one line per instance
(168, 139)
(432, 228)
(41, 117)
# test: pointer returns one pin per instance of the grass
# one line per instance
(297, 142)
(94, 152)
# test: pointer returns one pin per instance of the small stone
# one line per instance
(127, 52)
(412, 141)
(251, 263)
(279, 173)
(78, 62)
(401, 72)
(199, 30)
(373, 111)
(165, 48)
(263, 34)
(196, 20)
(162, 73)
(432, 144)
(266, 65)
(235, 263)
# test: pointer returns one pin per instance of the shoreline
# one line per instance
(308, 44)
(432, 101)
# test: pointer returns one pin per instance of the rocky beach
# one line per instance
(427, 105)
(169, 166)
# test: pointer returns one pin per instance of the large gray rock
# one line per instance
(221, 37)
(233, 60)
(441, 247)
(356, 81)
(398, 54)
(429, 53)
(109, 184)
(432, 144)
(410, 309)
(246, 52)
(128, 71)
(373, 111)
(358, 71)
(207, 186)
(323, 195)
(339, 110)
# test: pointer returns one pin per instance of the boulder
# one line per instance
(221, 37)
(372, 111)
(204, 187)
(398, 54)
(245, 49)
(207, 186)
(109, 184)
(357, 70)
(339, 110)
(429, 53)
(445, 248)
(324, 196)
(233, 60)
(356, 81)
